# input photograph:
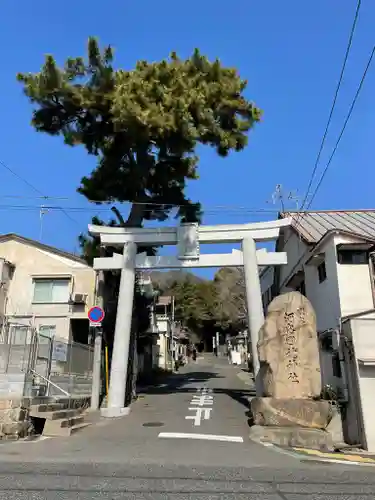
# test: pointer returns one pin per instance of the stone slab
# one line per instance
(291, 437)
(288, 349)
(291, 412)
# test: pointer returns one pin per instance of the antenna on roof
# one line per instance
(291, 197)
(42, 212)
(278, 197)
(294, 198)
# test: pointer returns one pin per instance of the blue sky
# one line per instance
(290, 52)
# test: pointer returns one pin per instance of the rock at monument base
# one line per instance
(291, 412)
(292, 437)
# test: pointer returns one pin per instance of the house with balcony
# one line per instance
(331, 262)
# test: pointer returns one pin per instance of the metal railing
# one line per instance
(49, 382)
(52, 365)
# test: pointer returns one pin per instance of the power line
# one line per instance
(22, 179)
(360, 86)
(345, 124)
(349, 45)
(229, 211)
(30, 185)
(101, 204)
(130, 202)
(301, 214)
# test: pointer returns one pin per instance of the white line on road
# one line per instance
(207, 437)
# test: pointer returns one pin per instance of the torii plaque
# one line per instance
(188, 238)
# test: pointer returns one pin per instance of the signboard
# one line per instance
(96, 316)
(60, 351)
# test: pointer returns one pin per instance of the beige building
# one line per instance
(43, 288)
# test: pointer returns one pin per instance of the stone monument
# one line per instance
(290, 412)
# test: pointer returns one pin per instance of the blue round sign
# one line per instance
(96, 314)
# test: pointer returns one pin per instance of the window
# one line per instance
(20, 335)
(352, 257)
(51, 291)
(322, 272)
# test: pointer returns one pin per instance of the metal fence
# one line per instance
(16, 349)
(53, 366)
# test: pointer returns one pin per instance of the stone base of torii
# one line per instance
(188, 238)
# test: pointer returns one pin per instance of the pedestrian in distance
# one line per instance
(194, 354)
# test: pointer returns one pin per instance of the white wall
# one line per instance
(363, 337)
(296, 250)
(324, 296)
(354, 285)
(346, 290)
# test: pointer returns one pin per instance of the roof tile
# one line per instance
(312, 226)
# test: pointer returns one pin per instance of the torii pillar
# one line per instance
(187, 237)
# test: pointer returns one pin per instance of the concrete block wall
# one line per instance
(12, 385)
(13, 358)
(73, 384)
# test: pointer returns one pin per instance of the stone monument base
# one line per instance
(298, 437)
(277, 412)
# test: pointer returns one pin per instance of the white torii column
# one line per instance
(120, 353)
(255, 311)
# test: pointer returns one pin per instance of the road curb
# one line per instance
(245, 378)
(333, 457)
(314, 456)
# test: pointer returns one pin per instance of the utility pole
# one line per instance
(97, 332)
(172, 331)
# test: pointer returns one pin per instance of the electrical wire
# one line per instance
(345, 124)
(348, 48)
(301, 215)
(115, 202)
(231, 212)
(30, 185)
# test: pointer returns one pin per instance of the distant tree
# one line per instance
(195, 305)
(231, 306)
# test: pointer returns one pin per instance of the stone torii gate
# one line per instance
(188, 238)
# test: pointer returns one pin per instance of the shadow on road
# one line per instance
(177, 383)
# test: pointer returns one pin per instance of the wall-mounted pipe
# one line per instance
(372, 275)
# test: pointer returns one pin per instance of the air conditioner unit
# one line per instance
(79, 298)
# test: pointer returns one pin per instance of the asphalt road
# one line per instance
(127, 459)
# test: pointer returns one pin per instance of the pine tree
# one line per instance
(143, 124)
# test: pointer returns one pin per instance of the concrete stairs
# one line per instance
(60, 419)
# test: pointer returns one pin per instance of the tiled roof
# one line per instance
(312, 226)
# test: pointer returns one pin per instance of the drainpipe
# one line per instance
(343, 365)
(372, 275)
